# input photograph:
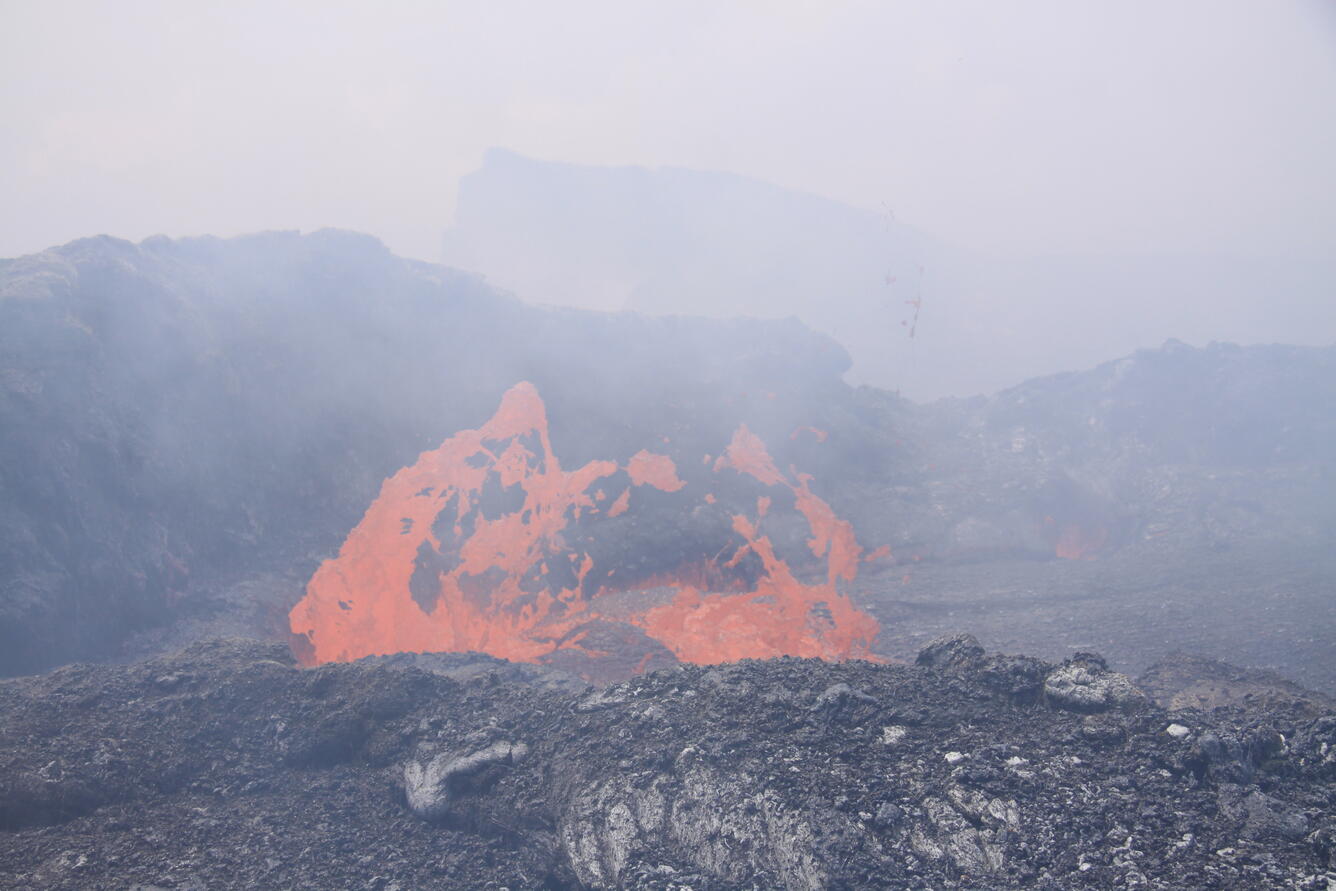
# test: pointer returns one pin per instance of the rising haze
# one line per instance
(918, 315)
(1017, 129)
(629, 546)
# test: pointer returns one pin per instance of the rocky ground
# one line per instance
(1267, 607)
(226, 766)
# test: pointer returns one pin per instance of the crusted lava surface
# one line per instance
(442, 561)
(226, 765)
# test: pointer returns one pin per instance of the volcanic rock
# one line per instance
(1084, 685)
(244, 770)
(1182, 681)
(428, 785)
(1263, 818)
(956, 652)
(1020, 678)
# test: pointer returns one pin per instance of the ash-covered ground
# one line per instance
(226, 766)
(1272, 608)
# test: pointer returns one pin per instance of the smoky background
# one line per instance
(1056, 184)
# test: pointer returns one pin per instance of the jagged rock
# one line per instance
(468, 666)
(1105, 729)
(1263, 818)
(892, 734)
(1233, 757)
(840, 702)
(1019, 678)
(948, 833)
(714, 778)
(711, 817)
(1086, 685)
(1324, 844)
(428, 785)
(1315, 744)
(597, 700)
(955, 652)
(887, 815)
(1180, 681)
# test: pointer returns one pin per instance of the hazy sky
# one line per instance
(1013, 127)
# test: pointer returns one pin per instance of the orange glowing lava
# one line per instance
(659, 471)
(1077, 543)
(487, 544)
(881, 553)
(747, 454)
(818, 433)
(621, 505)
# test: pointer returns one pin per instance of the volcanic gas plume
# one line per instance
(487, 544)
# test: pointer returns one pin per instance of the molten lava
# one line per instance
(1078, 543)
(659, 471)
(487, 544)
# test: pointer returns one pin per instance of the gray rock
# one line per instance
(1088, 687)
(1229, 757)
(716, 792)
(1019, 678)
(887, 815)
(955, 652)
(726, 825)
(1104, 729)
(598, 700)
(428, 785)
(839, 701)
(948, 833)
(1264, 818)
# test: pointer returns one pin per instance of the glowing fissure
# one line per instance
(468, 549)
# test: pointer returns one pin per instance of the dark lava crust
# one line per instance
(226, 766)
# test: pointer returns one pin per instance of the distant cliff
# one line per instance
(1173, 447)
(918, 315)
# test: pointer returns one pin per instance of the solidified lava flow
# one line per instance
(487, 544)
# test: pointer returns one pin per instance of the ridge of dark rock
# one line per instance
(224, 765)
